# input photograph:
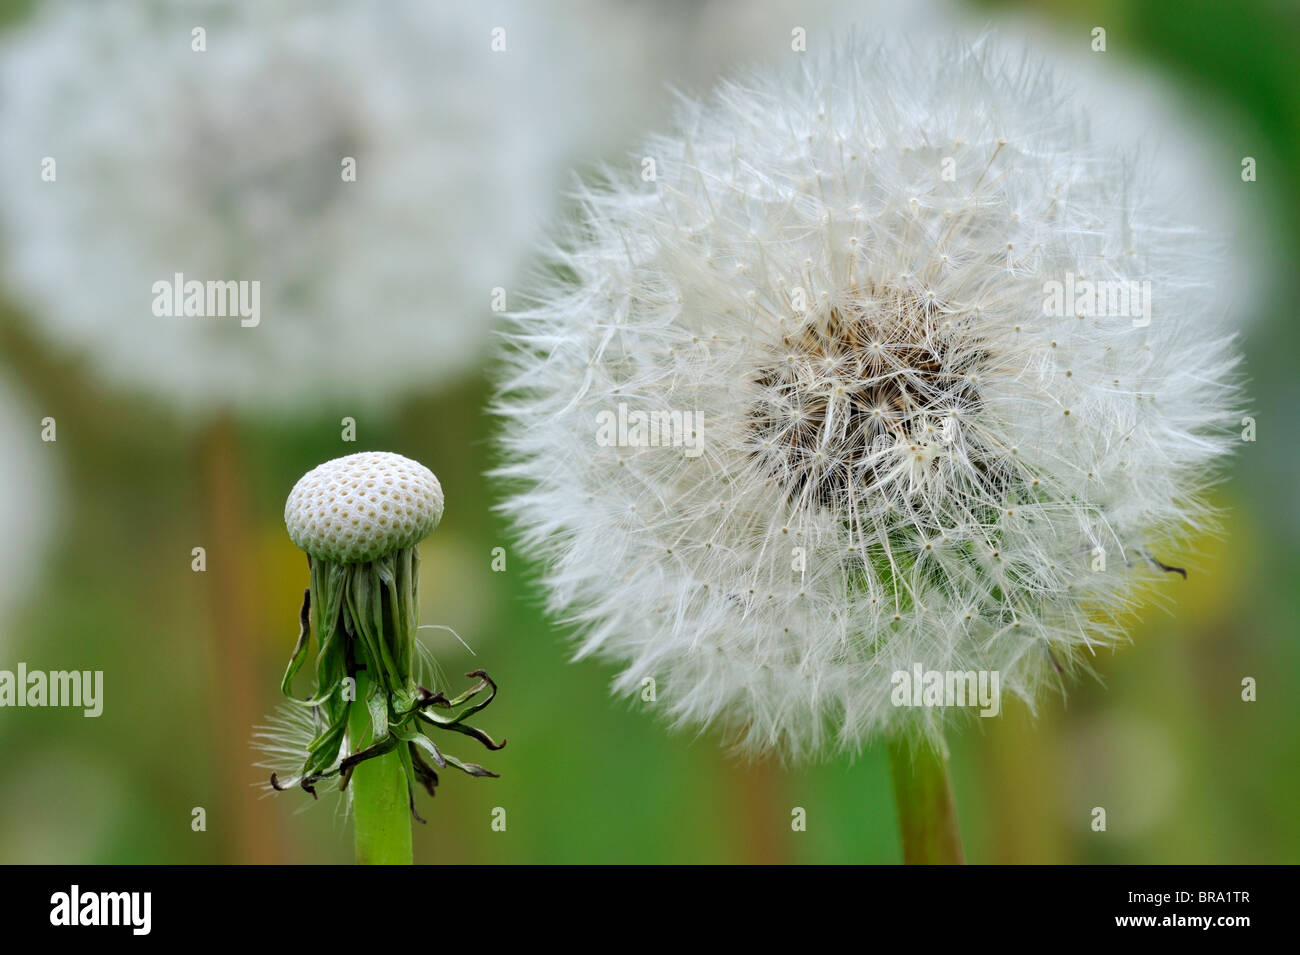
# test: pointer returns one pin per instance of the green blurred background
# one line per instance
(1187, 772)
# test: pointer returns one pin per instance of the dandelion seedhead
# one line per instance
(377, 175)
(360, 519)
(883, 291)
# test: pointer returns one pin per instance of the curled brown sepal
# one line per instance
(455, 721)
(415, 813)
(305, 783)
(375, 749)
(473, 769)
(425, 774)
(471, 731)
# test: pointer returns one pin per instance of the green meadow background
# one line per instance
(1186, 771)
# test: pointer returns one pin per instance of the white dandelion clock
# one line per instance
(904, 361)
(263, 206)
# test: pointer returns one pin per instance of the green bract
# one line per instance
(360, 519)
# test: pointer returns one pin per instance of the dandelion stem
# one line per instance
(927, 819)
(381, 802)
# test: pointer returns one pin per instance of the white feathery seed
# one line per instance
(886, 451)
(284, 740)
(363, 506)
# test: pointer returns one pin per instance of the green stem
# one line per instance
(927, 819)
(381, 807)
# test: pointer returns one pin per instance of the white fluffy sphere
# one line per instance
(870, 438)
(231, 164)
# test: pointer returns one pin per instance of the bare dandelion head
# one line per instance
(378, 691)
(362, 506)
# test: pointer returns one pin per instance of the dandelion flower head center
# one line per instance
(857, 384)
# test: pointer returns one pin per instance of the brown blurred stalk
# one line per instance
(762, 812)
(233, 691)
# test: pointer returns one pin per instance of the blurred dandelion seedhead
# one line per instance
(378, 175)
(841, 268)
(360, 519)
